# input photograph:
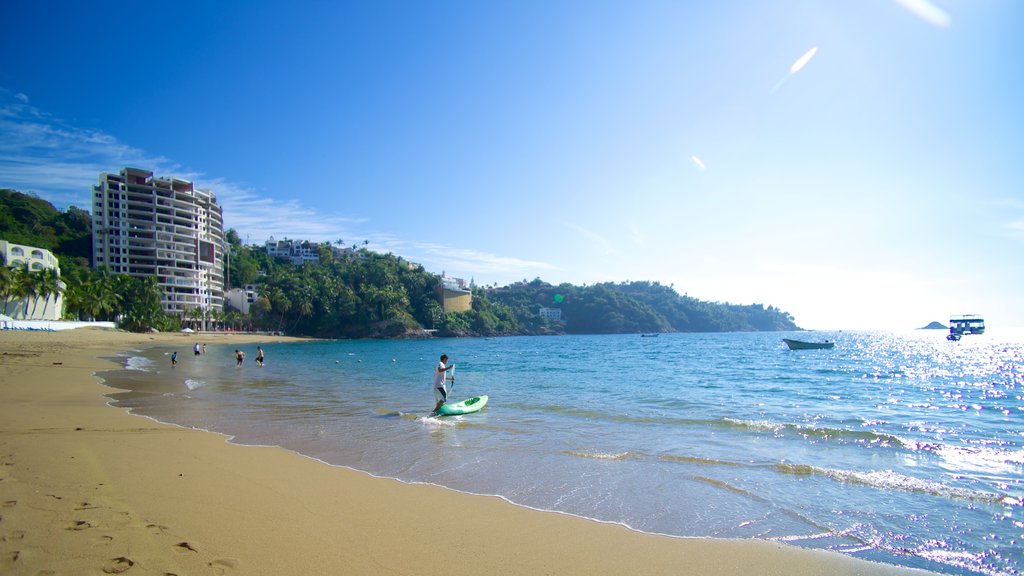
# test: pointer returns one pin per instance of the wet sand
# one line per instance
(86, 488)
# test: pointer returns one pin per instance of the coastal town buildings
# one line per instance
(299, 252)
(302, 251)
(241, 299)
(455, 294)
(44, 300)
(164, 227)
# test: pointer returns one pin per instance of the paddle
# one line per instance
(453, 380)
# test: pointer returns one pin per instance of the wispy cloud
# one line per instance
(599, 241)
(46, 156)
(435, 256)
(638, 236)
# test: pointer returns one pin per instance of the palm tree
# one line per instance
(6, 284)
(23, 287)
(48, 284)
(194, 314)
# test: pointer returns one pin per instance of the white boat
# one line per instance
(965, 324)
(801, 345)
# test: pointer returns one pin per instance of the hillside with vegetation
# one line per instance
(354, 292)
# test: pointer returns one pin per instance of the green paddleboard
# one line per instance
(467, 406)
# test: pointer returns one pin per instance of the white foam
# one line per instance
(138, 363)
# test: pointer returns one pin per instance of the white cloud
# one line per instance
(46, 156)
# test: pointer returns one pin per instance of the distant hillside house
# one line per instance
(43, 305)
(299, 252)
(164, 227)
(551, 314)
(455, 294)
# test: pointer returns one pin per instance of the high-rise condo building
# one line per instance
(162, 227)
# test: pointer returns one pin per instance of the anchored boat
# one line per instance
(801, 345)
(965, 324)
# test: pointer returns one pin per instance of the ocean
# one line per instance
(897, 447)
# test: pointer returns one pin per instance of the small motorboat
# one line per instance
(801, 345)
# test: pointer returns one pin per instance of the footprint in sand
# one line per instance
(79, 525)
(156, 528)
(223, 565)
(184, 547)
(13, 536)
(118, 565)
(10, 503)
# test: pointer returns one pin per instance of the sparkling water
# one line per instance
(903, 448)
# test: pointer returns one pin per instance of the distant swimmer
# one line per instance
(196, 349)
(174, 359)
(259, 356)
(239, 357)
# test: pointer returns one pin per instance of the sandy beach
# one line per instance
(86, 488)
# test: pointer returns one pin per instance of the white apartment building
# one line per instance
(164, 227)
(40, 306)
(243, 298)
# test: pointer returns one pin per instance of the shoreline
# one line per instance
(86, 487)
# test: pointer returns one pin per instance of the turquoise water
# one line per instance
(896, 447)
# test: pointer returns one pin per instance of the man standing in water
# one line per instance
(440, 375)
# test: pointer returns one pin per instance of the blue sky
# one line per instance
(880, 185)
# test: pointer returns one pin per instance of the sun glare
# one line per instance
(799, 64)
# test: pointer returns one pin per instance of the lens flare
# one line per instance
(698, 162)
(927, 11)
(799, 64)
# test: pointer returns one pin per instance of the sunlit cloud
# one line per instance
(927, 11)
(698, 162)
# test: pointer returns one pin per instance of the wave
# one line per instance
(880, 439)
(193, 384)
(138, 363)
(889, 480)
(700, 460)
(605, 455)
